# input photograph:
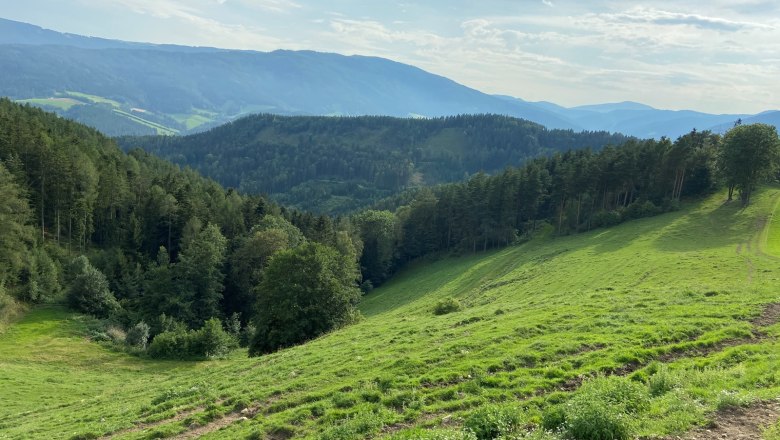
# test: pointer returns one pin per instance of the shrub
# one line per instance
(211, 341)
(603, 409)
(116, 334)
(170, 345)
(641, 209)
(491, 421)
(447, 305)
(138, 335)
(88, 291)
(661, 382)
(606, 218)
(596, 420)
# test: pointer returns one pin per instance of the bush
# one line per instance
(138, 335)
(641, 209)
(606, 218)
(447, 305)
(170, 345)
(211, 341)
(603, 409)
(88, 291)
(490, 422)
(661, 382)
(596, 420)
(116, 334)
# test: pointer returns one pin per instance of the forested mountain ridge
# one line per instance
(182, 88)
(336, 164)
(126, 88)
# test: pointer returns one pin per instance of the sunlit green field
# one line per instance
(61, 103)
(677, 299)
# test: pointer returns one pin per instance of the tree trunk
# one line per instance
(43, 192)
(560, 215)
(579, 207)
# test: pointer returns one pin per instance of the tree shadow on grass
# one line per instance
(727, 225)
(450, 276)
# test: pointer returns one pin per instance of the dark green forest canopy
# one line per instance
(159, 239)
(339, 164)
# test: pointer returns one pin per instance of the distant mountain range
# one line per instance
(139, 88)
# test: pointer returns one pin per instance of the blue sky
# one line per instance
(716, 56)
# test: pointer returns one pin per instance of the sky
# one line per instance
(714, 56)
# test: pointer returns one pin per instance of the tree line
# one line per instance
(188, 268)
(572, 192)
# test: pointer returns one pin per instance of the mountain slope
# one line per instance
(338, 164)
(170, 89)
(175, 83)
(643, 121)
(684, 302)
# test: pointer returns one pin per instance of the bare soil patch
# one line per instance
(737, 423)
(769, 316)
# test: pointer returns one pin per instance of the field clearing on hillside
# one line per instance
(161, 129)
(681, 303)
(191, 120)
(93, 98)
(60, 103)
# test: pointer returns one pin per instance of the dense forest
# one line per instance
(168, 250)
(171, 257)
(337, 165)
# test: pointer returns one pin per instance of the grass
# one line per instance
(772, 244)
(666, 301)
(71, 98)
(60, 103)
(161, 129)
(93, 98)
(191, 121)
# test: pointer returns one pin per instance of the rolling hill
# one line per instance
(652, 328)
(336, 165)
(640, 120)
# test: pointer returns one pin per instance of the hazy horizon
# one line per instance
(716, 58)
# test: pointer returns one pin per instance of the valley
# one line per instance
(281, 219)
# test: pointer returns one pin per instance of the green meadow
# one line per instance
(60, 103)
(680, 308)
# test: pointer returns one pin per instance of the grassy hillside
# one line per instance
(684, 304)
